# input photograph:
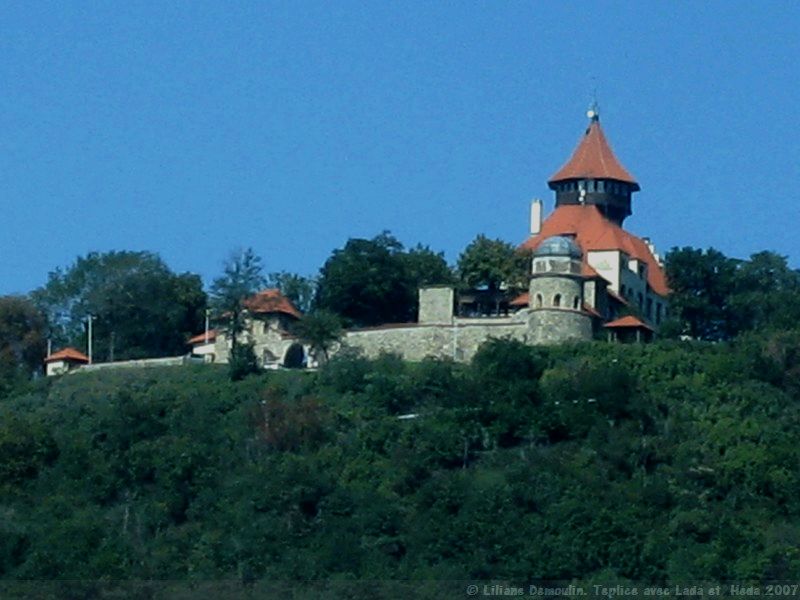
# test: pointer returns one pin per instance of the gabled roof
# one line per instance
(594, 232)
(627, 323)
(68, 354)
(593, 159)
(271, 301)
(200, 338)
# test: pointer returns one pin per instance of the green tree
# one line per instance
(242, 277)
(426, 267)
(369, 282)
(714, 297)
(300, 290)
(701, 283)
(141, 308)
(320, 330)
(242, 362)
(765, 295)
(493, 263)
(22, 341)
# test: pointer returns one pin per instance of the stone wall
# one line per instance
(436, 305)
(549, 285)
(553, 326)
(416, 342)
(170, 361)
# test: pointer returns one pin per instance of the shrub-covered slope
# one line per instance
(655, 463)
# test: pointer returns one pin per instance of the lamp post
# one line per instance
(90, 318)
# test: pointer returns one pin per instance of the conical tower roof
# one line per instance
(594, 159)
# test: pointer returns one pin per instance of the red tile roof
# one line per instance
(68, 354)
(627, 322)
(200, 338)
(271, 301)
(593, 231)
(593, 159)
(523, 299)
(588, 271)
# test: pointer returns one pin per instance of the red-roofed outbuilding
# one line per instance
(65, 360)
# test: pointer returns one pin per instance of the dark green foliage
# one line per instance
(320, 330)
(592, 462)
(241, 278)
(717, 298)
(242, 362)
(375, 281)
(490, 263)
(22, 343)
(141, 308)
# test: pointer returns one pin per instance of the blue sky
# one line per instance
(190, 129)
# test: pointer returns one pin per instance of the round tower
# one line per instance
(594, 176)
(556, 294)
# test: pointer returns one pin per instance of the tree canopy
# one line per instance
(369, 282)
(22, 341)
(241, 278)
(492, 263)
(595, 462)
(716, 298)
(141, 308)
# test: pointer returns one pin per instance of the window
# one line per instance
(576, 303)
(658, 313)
(557, 300)
(649, 311)
(538, 301)
(639, 298)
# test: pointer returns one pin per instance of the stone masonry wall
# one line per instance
(436, 305)
(549, 285)
(552, 326)
(416, 342)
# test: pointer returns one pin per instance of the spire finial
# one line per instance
(594, 110)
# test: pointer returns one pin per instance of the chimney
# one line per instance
(536, 216)
(652, 248)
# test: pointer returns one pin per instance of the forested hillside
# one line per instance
(672, 461)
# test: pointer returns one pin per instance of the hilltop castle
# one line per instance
(589, 278)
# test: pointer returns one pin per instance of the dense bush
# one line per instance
(661, 463)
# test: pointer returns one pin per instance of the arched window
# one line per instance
(557, 300)
(576, 303)
(538, 301)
